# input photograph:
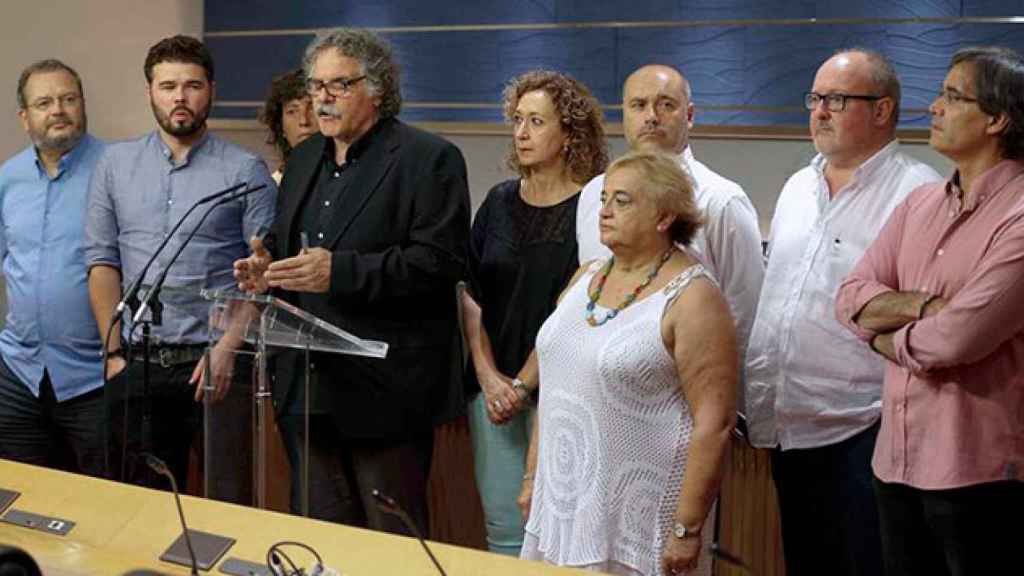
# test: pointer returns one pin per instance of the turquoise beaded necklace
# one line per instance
(630, 298)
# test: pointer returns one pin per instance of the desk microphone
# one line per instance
(133, 288)
(159, 467)
(389, 506)
(149, 300)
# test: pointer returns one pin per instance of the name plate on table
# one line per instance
(47, 524)
(239, 567)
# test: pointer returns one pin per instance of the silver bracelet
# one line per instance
(518, 384)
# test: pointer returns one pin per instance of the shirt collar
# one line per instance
(686, 156)
(165, 150)
(990, 183)
(867, 168)
(67, 161)
(358, 147)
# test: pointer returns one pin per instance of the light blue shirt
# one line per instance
(138, 194)
(42, 239)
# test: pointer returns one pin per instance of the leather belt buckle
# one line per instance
(166, 357)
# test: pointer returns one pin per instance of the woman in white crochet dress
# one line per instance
(638, 371)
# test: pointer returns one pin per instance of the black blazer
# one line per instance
(399, 244)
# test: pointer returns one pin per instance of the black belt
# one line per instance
(167, 356)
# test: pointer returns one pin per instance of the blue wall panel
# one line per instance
(233, 15)
(749, 61)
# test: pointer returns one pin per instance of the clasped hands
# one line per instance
(503, 401)
(309, 271)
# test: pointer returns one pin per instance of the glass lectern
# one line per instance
(245, 331)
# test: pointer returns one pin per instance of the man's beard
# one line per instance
(195, 124)
(61, 143)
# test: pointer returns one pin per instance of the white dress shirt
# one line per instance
(728, 244)
(810, 382)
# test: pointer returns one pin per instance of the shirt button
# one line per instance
(169, 202)
(327, 202)
(941, 252)
(899, 408)
(320, 235)
(336, 174)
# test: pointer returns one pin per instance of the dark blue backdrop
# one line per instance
(749, 61)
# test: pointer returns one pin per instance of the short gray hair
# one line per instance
(883, 76)
(375, 57)
(40, 67)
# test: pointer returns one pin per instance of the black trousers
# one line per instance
(32, 430)
(957, 532)
(343, 472)
(827, 508)
(164, 419)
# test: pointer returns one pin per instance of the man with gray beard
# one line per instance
(385, 208)
(50, 379)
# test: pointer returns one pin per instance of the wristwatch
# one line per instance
(679, 530)
(518, 384)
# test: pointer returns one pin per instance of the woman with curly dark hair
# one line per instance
(523, 252)
(288, 115)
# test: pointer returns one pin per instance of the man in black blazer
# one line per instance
(371, 236)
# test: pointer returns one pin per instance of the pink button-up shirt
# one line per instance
(953, 403)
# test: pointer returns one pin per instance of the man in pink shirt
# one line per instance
(940, 294)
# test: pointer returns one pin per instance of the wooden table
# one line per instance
(121, 527)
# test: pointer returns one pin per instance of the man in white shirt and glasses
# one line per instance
(813, 389)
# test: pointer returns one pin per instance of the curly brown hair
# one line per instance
(283, 89)
(581, 117)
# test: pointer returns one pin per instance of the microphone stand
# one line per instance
(159, 467)
(151, 299)
(389, 506)
(130, 300)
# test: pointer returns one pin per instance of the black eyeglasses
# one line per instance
(337, 87)
(835, 102)
(950, 96)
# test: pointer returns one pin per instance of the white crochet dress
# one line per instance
(614, 434)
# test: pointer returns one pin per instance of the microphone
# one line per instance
(389, 506)
(154, 290)
(160, 467)
(136, 285)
